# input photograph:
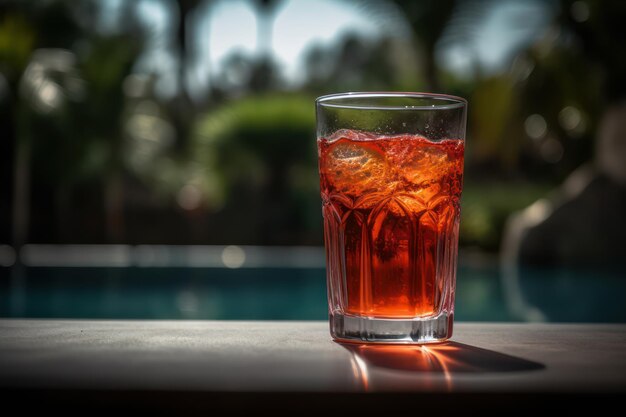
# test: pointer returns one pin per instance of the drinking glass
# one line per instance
(391, 172)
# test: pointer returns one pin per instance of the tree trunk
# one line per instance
(64, 217)
(430, 68)
(20, 208)
(114, 207)
(21, 182)
(264, 33)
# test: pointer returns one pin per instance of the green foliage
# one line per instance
(262, 150)
(485, 208)
(82, 136)
(258, 152)
(17, 37)
(494, 107)
(248, 139)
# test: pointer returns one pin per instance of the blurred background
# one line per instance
(158, 157)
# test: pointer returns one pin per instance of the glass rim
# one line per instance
(448, 102)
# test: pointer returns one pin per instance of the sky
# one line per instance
(509, 25)
(226, 26)
(298, 25)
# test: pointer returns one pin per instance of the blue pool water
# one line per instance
(285, 293)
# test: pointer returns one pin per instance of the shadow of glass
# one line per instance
(449, 357)
(426, 366)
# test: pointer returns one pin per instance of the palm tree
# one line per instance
(183, 107)
(428, 20)
(28, 29)
(266, 12)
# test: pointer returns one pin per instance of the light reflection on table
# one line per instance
(428, 366)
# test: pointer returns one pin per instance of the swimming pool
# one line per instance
(285, 293)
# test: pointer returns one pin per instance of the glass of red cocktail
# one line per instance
(391, 175)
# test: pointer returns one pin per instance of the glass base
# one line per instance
(344, 327)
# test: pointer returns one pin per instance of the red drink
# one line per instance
(391, 221)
